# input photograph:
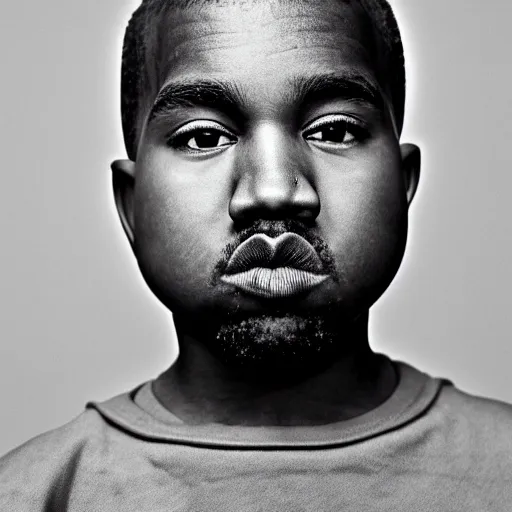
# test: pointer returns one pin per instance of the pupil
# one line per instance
(334, 133)
(207, 139)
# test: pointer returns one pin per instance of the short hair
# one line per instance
(142, 40)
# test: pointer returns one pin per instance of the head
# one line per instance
(266, 191)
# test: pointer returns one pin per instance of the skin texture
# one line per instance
(185, 211)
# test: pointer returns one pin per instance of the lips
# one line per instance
(275, 267)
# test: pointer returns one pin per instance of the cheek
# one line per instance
(366, 220)
(180, 223)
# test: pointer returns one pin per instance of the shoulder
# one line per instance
(484, 412)
(475, 423)
(34, 471)
(58, 442)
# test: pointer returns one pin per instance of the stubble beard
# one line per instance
(280, 341)
(280, 346)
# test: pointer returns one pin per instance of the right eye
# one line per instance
(201, 137)
(208, 139)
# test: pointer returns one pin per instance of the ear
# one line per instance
(123, 181)
(411, 163)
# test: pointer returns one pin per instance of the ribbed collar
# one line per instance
(414, 394)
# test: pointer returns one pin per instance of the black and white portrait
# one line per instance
(256, 256)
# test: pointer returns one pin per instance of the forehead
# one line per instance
(261, 44)
(236, 36)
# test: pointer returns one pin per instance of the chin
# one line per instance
(282, 346)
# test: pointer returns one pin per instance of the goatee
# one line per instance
(281, 345)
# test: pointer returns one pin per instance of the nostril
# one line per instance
(284, 198)
(271, 178)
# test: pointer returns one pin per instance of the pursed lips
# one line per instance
(275, 267)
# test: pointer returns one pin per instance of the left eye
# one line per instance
(335, 130)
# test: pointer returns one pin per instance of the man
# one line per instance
(265, 198)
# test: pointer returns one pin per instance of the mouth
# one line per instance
(275, 267)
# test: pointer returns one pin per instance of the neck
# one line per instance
(199, 388)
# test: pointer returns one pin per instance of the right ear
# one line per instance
(123, 181)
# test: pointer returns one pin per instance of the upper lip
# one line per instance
(286, 250)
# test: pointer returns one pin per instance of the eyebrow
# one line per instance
(226, 96)
(353, 87)
(196, 93)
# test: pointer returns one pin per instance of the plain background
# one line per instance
(77, 321)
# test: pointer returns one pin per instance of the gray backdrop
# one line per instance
(77, 321)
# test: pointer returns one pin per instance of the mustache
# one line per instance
(275, 229)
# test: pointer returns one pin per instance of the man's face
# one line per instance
(268, 179)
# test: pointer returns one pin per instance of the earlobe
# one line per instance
(123, 181)
(411, 164)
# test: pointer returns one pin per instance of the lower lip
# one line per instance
(274, 283)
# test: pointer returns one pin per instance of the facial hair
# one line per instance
(274, 229)
(281, 340)
(281, 346)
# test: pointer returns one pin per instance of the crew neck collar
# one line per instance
(413, 395)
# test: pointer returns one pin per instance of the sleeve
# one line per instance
(38, 476)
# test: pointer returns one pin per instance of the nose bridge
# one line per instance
(273, 177)
(273, 166)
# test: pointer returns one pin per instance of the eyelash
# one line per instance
(353, 126)
(179, 139)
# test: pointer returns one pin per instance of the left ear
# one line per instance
(411, 163)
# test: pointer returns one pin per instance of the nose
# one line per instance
(273, 178)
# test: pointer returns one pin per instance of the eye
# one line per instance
(201, 137)
(208, 139)
(335, 130)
